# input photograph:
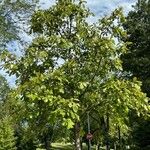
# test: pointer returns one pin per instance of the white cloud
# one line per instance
(106, 6)
(99, 7)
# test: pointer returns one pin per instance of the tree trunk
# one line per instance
(81, 143)
(115, 146)
(77, 136)
(98, 146)
(107, 133)
(47, 144)
(48, 138)
(119, 138)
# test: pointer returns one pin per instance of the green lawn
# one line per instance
(60, 146)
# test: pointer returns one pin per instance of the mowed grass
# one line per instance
(61, 146)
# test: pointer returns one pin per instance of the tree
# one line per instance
(4, 89)
(7, 138)
(136, 61)
(12, 14)
(72, 67)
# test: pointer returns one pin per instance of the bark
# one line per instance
(48, 138)
(115, 146)
(47, 144)
(107, 146)
(119, 138)
(107, 133)
(98, 146)
(77, 136)
(81, 141)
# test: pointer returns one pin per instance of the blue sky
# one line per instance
(98, 7)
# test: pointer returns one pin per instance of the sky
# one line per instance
(98, 7)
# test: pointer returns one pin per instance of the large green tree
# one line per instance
(137, 62)
(73, 67)
(137, 59)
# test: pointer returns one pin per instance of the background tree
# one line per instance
(7, 138)
(12, 16)
(137, 59)
(137, 62)
(4, 89)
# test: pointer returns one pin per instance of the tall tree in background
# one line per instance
(4, 89)
(137, 62)
(71, 68)
(12, 16)
(7, 138)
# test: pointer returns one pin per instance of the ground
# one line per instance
(60, 146)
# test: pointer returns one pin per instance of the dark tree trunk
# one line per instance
(115, 146)
(119, 138)
(99, 146)
(48, 138)
(47, 144)
(77, 136)
(81, 141)
(107, 133)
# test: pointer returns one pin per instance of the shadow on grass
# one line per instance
(58, 146)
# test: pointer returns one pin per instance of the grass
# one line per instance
(61, 146)
(68, 146)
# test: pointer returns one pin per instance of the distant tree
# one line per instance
(12, 15)
(7, 138)
(4, 89)
(137, 59)
(137, 63)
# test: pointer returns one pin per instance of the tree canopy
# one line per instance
(7, 139)
(136, 61)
